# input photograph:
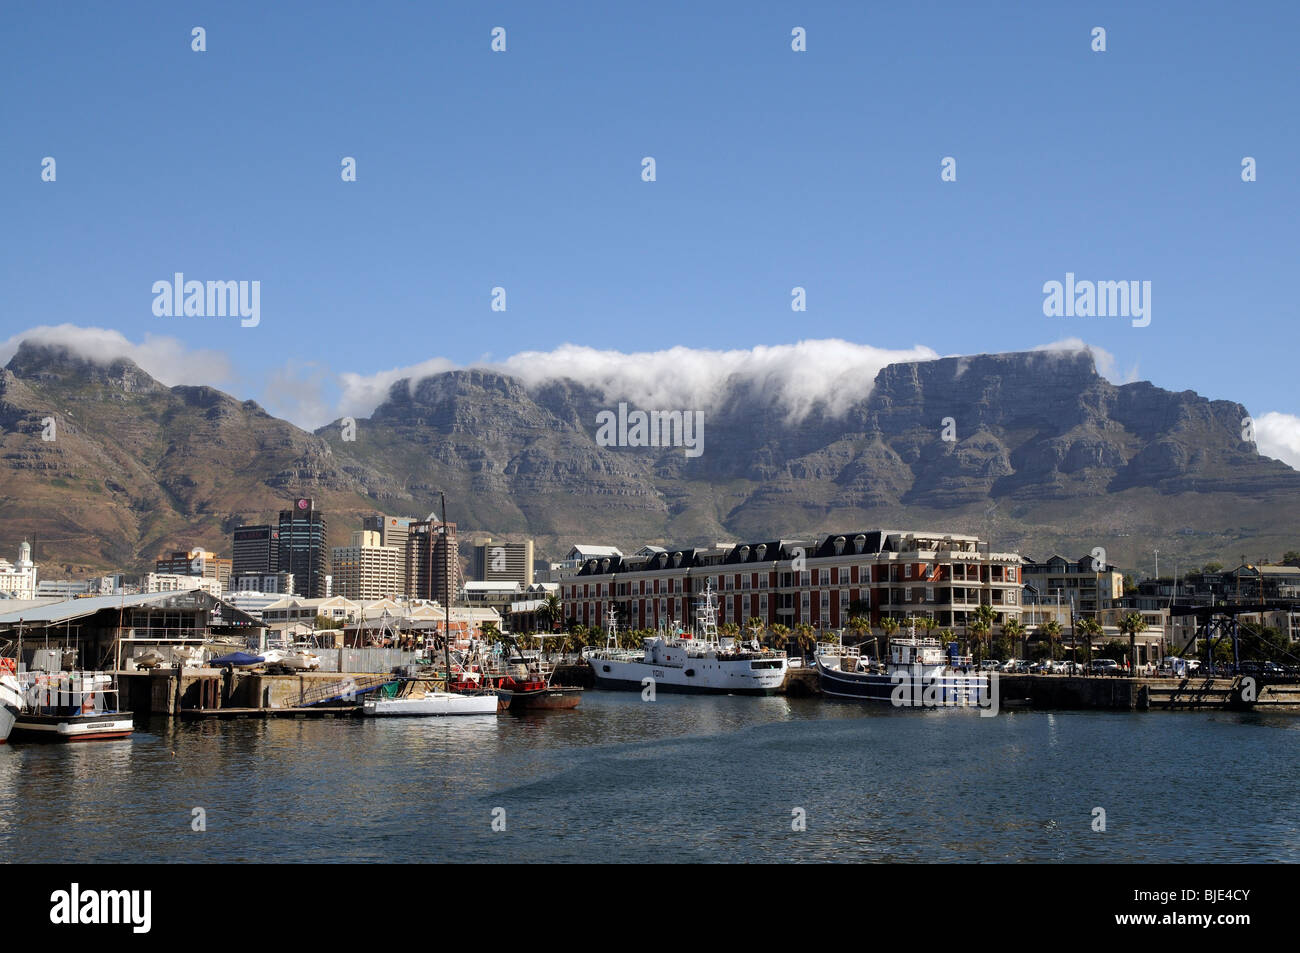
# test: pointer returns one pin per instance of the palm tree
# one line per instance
(804, 635)
(1131, 625)
(1014, 630)
(550, 611)
(807, 641)
(890, 626)
(1052, 629)
(781, 633)
(1091, 629)
(859, 625)
(982, 630)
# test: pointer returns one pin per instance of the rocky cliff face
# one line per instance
(1042, 454)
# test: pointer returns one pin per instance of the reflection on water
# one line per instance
(682, 778)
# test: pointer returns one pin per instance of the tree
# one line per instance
(1014, 630)
(1114, 649)
(980, 629)
(550, 611)
(1052, 629)
(859, 626)
(1212, 567)
(1091, 629)
(805, 635)
(1131, 625)
(1262, 644)
(781, 633)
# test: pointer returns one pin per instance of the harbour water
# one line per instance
(678, 779)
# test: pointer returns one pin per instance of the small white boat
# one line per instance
(430, 703)
(301, 660)
(146, 661)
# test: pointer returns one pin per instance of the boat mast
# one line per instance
(611, 633)
(446, 644)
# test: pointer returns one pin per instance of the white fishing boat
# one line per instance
(697, 663)
(70, 706)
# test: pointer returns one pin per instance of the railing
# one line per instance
(348, 689)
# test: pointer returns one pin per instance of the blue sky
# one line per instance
(775, 169)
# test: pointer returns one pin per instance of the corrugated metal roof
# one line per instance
(65, 610)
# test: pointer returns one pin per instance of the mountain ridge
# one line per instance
(1044, 454)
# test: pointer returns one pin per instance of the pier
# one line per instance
(227, 693)
(1117, 693)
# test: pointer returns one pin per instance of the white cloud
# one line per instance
(1106, 362)
(362, 393)
(167, 360)
(795, 377)
(1278, 436)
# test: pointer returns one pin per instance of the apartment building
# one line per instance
(1087, 584)
(822, 582)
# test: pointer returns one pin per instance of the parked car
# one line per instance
(1010, 665)
(988, 665)
(1105, 666)
(794, 663)
(1263, 670)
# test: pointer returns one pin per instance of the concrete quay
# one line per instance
(210, 690)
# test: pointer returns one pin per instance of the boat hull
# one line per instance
(546, 699)
(699, 677)
(438, 704)
(8, 715)
(936, 690)
(104, 726)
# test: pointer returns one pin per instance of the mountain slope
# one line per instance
(1044, 454)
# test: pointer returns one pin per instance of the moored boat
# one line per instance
(70, 706)
(11, 697)
(696, 663)
(420, 701)
(918, 674)
(237, 660)
(526, 684)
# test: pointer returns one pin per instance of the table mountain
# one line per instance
(1041, 454)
